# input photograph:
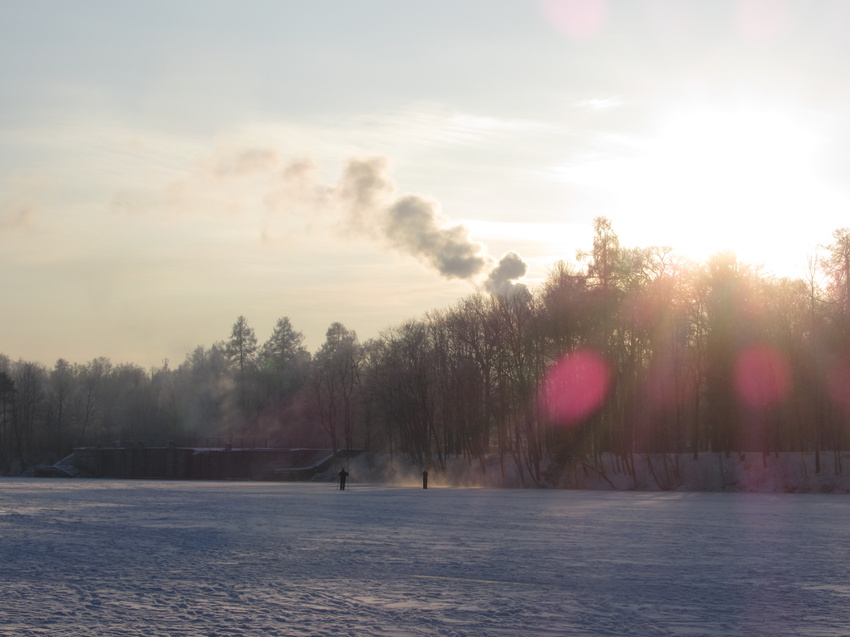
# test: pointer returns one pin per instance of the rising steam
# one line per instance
(364, 201)
(502, 278)
(415, 225)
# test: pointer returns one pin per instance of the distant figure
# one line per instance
(425, 479)
(343, 474)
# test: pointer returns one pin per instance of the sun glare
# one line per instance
(710, 179)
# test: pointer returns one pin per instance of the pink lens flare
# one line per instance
(762, 20)
(579, 19)
(575, 386)
(762, 376)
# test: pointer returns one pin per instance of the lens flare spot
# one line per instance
(575, 386)
(762, 376)
(762, 20)
(579, 19)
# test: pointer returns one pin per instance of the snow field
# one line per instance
(98, 557)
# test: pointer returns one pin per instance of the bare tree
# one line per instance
(91, 378)
(62, 384)
(336, 375)
(30, 380)
(8, 393)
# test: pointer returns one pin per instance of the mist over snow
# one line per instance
(784, 472)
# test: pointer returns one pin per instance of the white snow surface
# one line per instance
(215, 559)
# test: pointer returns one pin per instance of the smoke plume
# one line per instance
(415, 225)
(363, 201)
(296, 187)
(502, 279)
(363, 191)
(250, 161)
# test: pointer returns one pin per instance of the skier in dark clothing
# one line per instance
(425, 479)
(343, 474)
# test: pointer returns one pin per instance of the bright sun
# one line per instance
(711, 179)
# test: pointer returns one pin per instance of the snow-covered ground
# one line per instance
(101, 557)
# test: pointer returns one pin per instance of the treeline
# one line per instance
(626, 351)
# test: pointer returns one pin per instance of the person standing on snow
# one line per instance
(343, 474)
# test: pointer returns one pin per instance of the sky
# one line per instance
(167, 167)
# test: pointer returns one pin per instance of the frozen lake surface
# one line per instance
(221, 559)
